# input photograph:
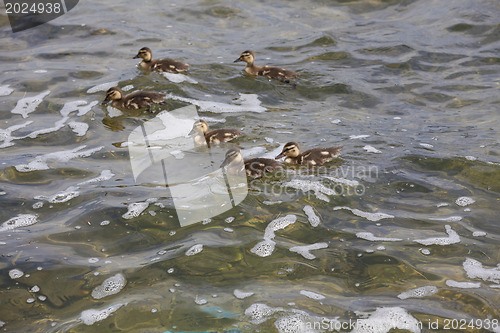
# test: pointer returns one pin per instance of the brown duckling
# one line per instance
(271, 72)
(159, 65)
(254, 167)
(216, 136)
(311, 157)
(133, 101)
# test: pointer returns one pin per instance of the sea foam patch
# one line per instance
(5, 90)
(195, 249)
(319, 190)
(475, 269)
(81, 107)
(311, 216)
(62, 196)
(370, 237)
(105, 175)
(369, 216)
(305, 250)
(90, 317)
(386, 319)
(135, 209)
(419, 292)
(452, 238)
(6, 134)
(27, 105)
(102, 87)
(21, 220)
(110, 286)
(464, 285)
(312, 295)
(245, 103)
(178, 78)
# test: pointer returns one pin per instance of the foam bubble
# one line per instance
(278, 224)
(241, 294)
(465, 285)
(362, 136)
(475, 269)
(200, 301)
(294, 323)
(82, 107)
(28, 104)
(105, 175)
(464, 201)
(452, 239)
(78, 127)
(195, 249)
(60, 197)
(448, 219)
(426, 145)
(102, 87)
(264, 248)
(479, 234)
(89, 317)
(312, 295)
(110, 286)
(371, 149)
(40, 162)
(21, 220)
(245, 103)
(259, 312)
(135, 209)
(386, 319)
(15, 273)
(320, 190)
(229, 219)
(311, 216)
(369, 216)
(419, 292)
(178, 78)
(5, 91)
(6, 134)
(113, 112)
(305, 249)
(369, 236)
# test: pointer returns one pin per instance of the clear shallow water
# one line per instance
(411, 94)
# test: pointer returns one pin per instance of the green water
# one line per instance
(408, 88)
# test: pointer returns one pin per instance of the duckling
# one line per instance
(271, 72)
(159, 65)
(214, 136)
(254, 167)
(311, 157)
(133, 101)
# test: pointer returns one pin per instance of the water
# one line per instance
(409, 88)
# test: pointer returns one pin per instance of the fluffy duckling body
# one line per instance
(159, 65)
(271, 72)
(254, 167)
(311, 157)
(133, 101)
(216, 136)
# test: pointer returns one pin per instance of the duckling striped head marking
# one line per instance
(145, 53)
(199, 126)
(112, 94)
(246, 56)
(290, 149)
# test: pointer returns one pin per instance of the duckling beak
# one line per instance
(279, 156)
(106, 100)
(226, 162)
(239, 59)
(136, 57)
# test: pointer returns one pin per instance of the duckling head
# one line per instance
(291, 149)
(246, 56)
(145, 53)
(113, 94)
(232, 155)
(199, 126)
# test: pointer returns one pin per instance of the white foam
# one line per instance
(454, 218)
(89, 317)
(135, 209)
(241, 294)
(40, 162)
(370, 237)
(426, 145)
(470, 158)
(305, 249)
(15, 273)
(195, 249)
(465, 285)
(442, 204)
(278, 224)
(178, 78)
(128, 87)
(245, 103)
(111, 286)
(419, 292)
(5, 91)
(479, 234)
(336, 121)
(369, 216)
(28, 104)
(362, 136)
(269, 203)
(60, 197)
(319, 190)
(264, 248)
(37, 205)
(229, 219)
(452, 238)
(200, 301)
(6, 134)
(259, 312)
(311, 216)
(82, 107)
(384, 320)
(464, 201)
(345, 181)
(371, 149)
(113, 112)
(475, 269)
(21, 220)
(312, 295)
(78, 127)
(105, 175)
(102, 87)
